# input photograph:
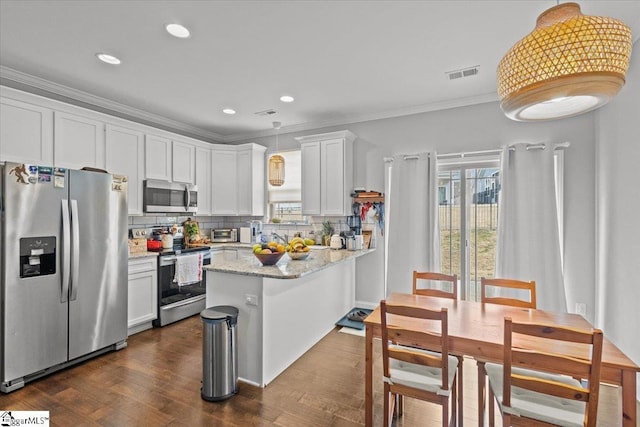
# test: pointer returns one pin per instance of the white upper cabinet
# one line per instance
(224, 181)
(78, 141)
(184, 162)
(157, 158)
(310, 164)
(26, 133)
(125, 156)
(327, 173)
(237, 180)
(251, 179)
(204, 180)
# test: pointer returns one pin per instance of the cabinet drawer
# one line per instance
(142, 264)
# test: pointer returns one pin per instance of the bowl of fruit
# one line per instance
(268, 253)
(298, 248)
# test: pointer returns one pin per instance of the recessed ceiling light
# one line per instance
(229, 111)
(178, 30)
(286, 98)
(109, 59)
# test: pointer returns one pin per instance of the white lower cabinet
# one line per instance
(142, 307)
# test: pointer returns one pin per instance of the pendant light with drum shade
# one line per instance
(276, 163)
(569, 64)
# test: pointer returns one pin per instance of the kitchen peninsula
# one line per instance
(284, 309)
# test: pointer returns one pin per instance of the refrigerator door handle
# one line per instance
(66, 251)
(75, 264)
(188, 198)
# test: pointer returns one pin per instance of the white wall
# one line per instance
(471, 128)
(618, 216)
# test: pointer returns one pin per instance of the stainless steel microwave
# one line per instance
(169, 197)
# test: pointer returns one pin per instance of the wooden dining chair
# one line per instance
(537, 383)
(450, 280)
(416, 362)
(486, 286)
(437, 285)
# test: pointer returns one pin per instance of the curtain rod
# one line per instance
(541, 146)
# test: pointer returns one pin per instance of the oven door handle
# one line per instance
(184, 302)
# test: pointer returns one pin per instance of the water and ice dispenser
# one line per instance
(37, 256)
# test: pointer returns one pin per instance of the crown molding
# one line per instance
(23, 81)
(357, 118)
(10, 77)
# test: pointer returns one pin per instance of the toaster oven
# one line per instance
(222, 235)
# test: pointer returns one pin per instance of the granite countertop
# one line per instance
(319, 259)
(143, 255)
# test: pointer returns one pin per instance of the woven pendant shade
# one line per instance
(570, 64)
(276, 170)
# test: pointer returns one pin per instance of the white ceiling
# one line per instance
(343, 61)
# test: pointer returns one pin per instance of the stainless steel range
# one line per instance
(177, 300)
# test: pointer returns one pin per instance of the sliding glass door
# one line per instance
(468, 215)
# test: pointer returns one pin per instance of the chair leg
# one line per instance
(445, 413)
(460, 388)
(482, 379)
(400, 403)
(455, 410)
(386, 412)
(491, 403)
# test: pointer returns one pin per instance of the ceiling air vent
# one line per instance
(266, 112)
(466, 72)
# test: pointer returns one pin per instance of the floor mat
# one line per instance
(351, 331)
(344, 321)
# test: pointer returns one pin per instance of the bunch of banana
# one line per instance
(298, 244)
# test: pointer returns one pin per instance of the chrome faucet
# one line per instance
(284, 239)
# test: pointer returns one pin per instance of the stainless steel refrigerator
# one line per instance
(64, 254)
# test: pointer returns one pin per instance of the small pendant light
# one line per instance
(276, 163)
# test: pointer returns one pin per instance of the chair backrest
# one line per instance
(404, 334)
(510, 284)
(435, 277)
(546, 355)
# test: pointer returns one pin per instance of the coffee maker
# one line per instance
(255, 231)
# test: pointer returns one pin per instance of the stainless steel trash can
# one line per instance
(219, 353)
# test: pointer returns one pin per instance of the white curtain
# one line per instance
(412, 214)
(528, 246)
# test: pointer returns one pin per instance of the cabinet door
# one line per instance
(310, 164)
(184, 162)
(157, 158)
(332, 187)
(143, 297)
(203, 180)
(26, 133)
(78, 142)
(245, 183)
(125, 156)
(224, 183)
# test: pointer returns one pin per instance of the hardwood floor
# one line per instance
(155, 381)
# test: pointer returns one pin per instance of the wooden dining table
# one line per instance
(477, 329)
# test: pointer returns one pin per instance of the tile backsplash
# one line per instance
(314, 228)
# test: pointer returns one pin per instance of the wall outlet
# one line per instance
(581, 308)
(251, 299)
